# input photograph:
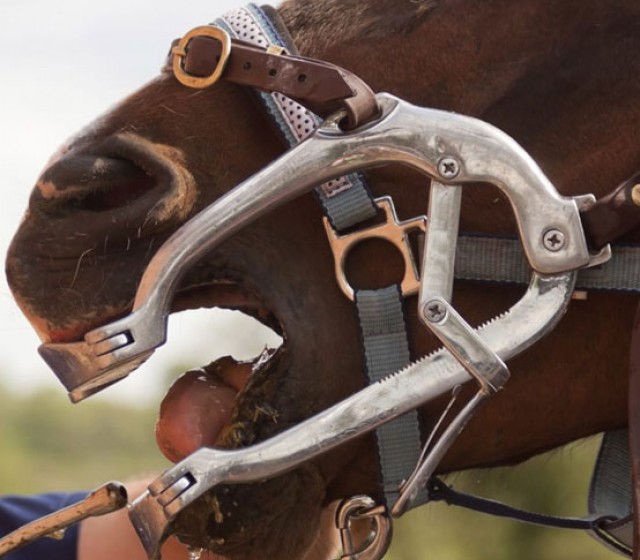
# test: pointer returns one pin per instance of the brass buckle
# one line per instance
(180, 51)
(393, 231)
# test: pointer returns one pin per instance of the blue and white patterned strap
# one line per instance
(346, 200)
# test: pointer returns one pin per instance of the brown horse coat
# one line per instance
(560, 77)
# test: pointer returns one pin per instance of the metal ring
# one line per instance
(363, 507)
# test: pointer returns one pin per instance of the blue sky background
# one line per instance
(65, 63)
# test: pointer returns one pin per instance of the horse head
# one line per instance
(115, 192)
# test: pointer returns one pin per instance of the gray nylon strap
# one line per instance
(387, 351)
(496, 259)
(610, 492)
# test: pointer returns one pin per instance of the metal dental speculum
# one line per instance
(425, 139)
(451, 149)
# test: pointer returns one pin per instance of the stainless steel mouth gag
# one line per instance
(451, 149)
(448, 147)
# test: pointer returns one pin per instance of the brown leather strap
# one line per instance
(614, 214)
(634, 430)
(320, 86)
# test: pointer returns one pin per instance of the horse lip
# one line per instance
(226, 293)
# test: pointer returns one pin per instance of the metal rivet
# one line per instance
(448, 167)
(553, 240)
(635, 194)
(434, 311)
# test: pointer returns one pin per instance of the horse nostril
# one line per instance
(92, 183)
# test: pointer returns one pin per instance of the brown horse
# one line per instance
(559, 77)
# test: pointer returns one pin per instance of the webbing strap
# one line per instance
(611, 493)
(610, 489)
(497, 259)
(387, 351)
(346, 202)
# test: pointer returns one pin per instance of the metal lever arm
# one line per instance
(435, 309)
(437, 313)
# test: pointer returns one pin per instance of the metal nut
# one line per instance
(448, 167)
(434, 311)
(553, 240)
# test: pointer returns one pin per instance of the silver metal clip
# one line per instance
(377, 539)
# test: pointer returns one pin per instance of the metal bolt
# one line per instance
(434, 311)
(448, 167)
(553, 240)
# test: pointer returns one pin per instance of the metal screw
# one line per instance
(434, 311)
(553, 240)
(448, 167)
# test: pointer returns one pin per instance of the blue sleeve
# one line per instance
(18, 510)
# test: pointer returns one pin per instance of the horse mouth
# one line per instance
(233, 404)
(204, 405)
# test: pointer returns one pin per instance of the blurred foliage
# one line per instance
(46, 444)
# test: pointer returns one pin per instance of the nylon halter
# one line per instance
(346, 202)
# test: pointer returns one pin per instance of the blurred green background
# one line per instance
(47, 444)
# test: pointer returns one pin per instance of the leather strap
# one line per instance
(613, 215)
(320, 86)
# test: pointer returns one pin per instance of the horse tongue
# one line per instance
(198, 406)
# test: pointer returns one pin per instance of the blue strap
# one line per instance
(611, 491)
(346, 201)
(387, 351)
